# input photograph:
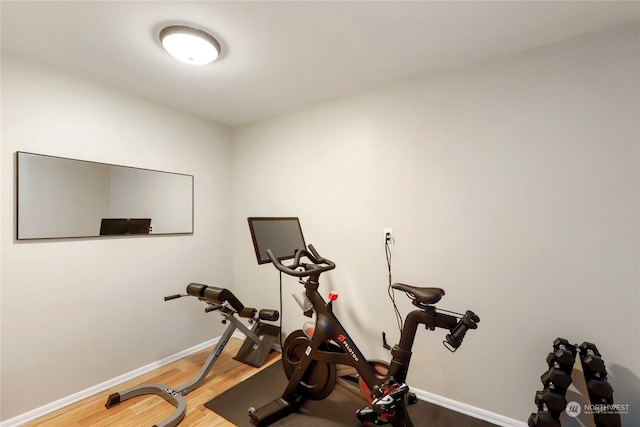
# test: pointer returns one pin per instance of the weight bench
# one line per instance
(254, 351)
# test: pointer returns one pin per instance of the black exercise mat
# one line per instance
(337, 410)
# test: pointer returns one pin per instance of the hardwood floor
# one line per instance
(150, 409)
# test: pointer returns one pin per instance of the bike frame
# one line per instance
(329, 328)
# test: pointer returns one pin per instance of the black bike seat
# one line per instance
(422, 295)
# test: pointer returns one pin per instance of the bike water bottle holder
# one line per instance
(304, 303)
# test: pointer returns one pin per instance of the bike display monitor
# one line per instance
(283, 235)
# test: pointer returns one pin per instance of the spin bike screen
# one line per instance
(282, 235)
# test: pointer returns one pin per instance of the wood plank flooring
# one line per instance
(147, 410)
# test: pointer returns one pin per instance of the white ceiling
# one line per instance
(279, 56)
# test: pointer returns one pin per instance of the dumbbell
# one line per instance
(607, 420)
(591, 358)
(564, 355)
(593, 364)
(600, 389)
(595, 372)
(542, 419)
(587, 347)
(550, 398)
(563, 358)
(563, 343)
(557, 377)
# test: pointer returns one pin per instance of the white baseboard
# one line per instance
(472, 411)
(66, 401)
(463, 408)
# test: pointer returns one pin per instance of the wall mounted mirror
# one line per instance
(67, 198)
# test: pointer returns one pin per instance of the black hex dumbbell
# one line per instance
(600, 389)
(563, 356)
(554, 401)
(607, 420)
(588, 347)
(592, 360)
(593, 364)
(595, 373)
(563, 343)
(556, 377)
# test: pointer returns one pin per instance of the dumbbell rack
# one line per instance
(599, 389)
(551, 400)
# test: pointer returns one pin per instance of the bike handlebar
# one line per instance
(319, 265)
(454, 339)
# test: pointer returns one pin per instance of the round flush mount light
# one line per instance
(189, 45)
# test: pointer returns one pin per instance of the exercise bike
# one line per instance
(311, 362)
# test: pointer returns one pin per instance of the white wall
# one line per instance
(79, 312)
(513, 185)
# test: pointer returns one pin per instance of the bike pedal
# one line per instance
(412, 399)
(392, 396)
(368, 416)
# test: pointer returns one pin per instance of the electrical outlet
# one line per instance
(388, 236)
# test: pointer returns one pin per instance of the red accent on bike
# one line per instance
(387, 415)
(333, 295)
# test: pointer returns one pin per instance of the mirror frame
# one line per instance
(88, 236)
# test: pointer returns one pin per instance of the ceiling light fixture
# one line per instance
(189, 45)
